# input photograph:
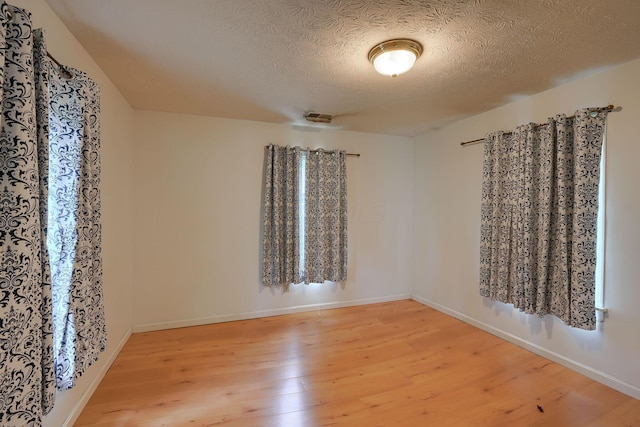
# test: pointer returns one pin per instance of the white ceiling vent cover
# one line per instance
(318, 117)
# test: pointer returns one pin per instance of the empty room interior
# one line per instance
(292, 235)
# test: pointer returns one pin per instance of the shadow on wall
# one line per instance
(586, 340)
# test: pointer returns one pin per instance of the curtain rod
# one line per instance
(609, 108)
(64, 73)
(329, 151)
(61, 68)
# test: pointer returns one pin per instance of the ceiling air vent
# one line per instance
(318, 117)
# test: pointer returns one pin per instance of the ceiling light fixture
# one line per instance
(395, 57)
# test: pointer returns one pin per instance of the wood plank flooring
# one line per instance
(390, 364)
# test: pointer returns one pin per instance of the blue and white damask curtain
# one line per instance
(539, 217)
(74, 234)
(46, 121)
(26, 337)
(325, 236)
(281, 216)
(304, 216)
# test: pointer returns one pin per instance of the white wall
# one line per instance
(198, 189)
(117, 203)
(447, 190)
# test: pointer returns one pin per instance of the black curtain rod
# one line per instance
(608, 108)
(329, 151)
(64, 72)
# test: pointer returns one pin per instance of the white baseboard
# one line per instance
(81, 403)
(595, 375)
(147, 327)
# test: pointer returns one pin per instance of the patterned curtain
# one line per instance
(325, 240)
(305, 216)
(26, 354)
(281, 254)
(539, 215)
(74, 238)
(51, 324)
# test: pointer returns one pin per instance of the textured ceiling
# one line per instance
(273, 60)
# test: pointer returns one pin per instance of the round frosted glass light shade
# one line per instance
(394, 62)
(393, 57)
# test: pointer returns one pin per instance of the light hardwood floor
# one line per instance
(390, 364)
